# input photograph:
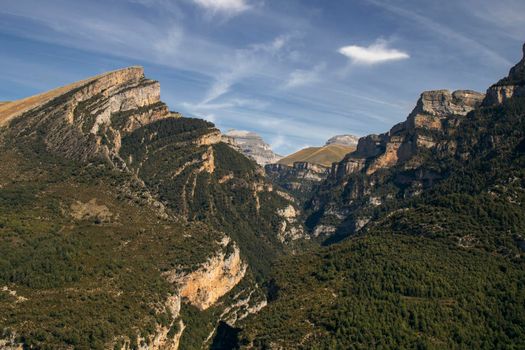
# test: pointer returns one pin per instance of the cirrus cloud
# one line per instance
(378, 52)
(301, 77)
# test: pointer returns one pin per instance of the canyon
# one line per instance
(125, 225)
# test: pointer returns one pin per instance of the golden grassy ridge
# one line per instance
(325, 155)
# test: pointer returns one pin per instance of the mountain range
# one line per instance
(124, 225)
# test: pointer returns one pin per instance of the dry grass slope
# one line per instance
(324, 155)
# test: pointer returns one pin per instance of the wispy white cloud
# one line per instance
(221, 86)
(378, 52)
(198, 57)
(170, 42)
(505, 15)
(446, 32)
(245, 62)
(203, 108)
(301, 77)
(229, 7)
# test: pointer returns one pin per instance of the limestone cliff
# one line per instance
(162, 338)
(290, 229)
(299, 179)
(251, 145)
(355, 185)
(346, 140)
(112, 160)
(436, 113)
(204, 286)
(301, 172)
(88, 119)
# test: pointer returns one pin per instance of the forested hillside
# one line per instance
(440, 270)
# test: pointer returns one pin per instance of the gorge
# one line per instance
(124, 225)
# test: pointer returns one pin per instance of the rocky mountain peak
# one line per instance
(443, 103)
(10, 110)
(89, 117)
(436, 111)
(251, 145)
(346, 140)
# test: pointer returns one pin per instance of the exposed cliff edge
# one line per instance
(164, 338)
(357, 181)
(299, 179)
(435, 112)
(428, 221)
(88, 118)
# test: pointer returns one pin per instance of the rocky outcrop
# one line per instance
(251, 145)
(301, 171)
(289, 229)
(168, 170)
(91, 211)
(512, 85)
(210, 138)
(346, 140)
(436, 113)
(204, 286)
(88, 119)
(11, 343)
(442, 104)
(355, 185)
(164, 338)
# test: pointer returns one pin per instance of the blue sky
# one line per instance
(296, 72)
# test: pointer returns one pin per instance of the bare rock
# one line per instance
(251, 145)
(346, 140)
(204, 286)
(91, 211)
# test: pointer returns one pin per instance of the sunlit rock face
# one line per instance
(353, 182)
(251, 145)
(346, 140)
(435, 112)
(204, 286)
(88, 118)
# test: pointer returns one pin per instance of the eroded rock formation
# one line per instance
(88, 119)
(436, 112)
(251, 145)
(204, 286)
(347, 140)
(355, 185)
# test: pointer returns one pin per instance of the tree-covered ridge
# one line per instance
(442, 270)
(388, 291)
(86, 281)
(208, 182)
(84, 245)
